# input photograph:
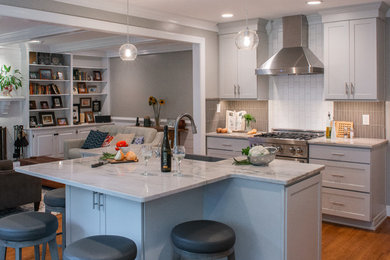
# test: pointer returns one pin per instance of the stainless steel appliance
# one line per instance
(292, 144)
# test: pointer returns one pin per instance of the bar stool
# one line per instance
(28, 229)
(103, 247)
(55, 202)
(203, 239)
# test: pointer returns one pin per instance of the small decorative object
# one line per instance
(248, 119)
(90, 78)
(171, 122)
(9, 80)
(55, 89)
(89, 117)
(82, 87)
(156, 108)
(76, 113)
(62, 121)
(57, 102)
(60, 75)
(96, 106)
(44, 105)
(75, 90)
(137, 122)
(44, 58)
(34, 75)
(147, 122)
(45, 74)
(33, 104)
(85, 102)
(57, 59)
(257, 155)
(92, 89)
(82, 118)
(33, 121)
(97, 76)
(47, 118)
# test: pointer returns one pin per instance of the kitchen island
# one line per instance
(275, 210)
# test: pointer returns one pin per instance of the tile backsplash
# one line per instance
(353, 111)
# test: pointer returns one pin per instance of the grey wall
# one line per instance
(165, 76)
(211, 38)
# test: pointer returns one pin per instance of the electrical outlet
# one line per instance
(366, 119)
(218, 108)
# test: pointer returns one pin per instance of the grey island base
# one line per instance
(275, 210)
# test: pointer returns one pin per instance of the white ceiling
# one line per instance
(211, 10)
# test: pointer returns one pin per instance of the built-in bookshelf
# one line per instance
(65, 89)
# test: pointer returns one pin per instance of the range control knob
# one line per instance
(292, 150)
(299, 150)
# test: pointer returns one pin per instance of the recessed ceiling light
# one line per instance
(228, 15)
(314, 2)
(35, 41)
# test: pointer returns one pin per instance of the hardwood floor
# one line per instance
(338, 243)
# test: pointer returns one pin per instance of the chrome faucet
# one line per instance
(194, 131)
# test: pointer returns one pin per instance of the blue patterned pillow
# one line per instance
(94, 139)
(138, 140)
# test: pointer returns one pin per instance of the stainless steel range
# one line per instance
(292, 144)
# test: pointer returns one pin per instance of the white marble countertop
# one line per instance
(355, 142)
(235, 135)
(125, 180)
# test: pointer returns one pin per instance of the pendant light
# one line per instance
(247, 39)
(128, 52)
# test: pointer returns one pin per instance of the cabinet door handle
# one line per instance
(346, 88)
(235, 89)
(338, 154)
(101, 201)
(227, 145)
(56, 134)
(239, 89)
(337, 203)
(352, 89)
(337, 175)
(94, 203)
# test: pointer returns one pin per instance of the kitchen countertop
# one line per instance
(355, 142)
(125, 180)
(235, 135)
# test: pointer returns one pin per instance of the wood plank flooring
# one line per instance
(338, 243)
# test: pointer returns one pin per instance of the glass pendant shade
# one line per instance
(128, 52)
(247, 39)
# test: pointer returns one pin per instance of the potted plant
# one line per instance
(9, 80)
(248, 119)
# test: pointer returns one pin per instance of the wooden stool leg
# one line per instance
(231, 256)
(36, 252)
(3, 252)
(18, 254)
(53, 249)
(44, 246)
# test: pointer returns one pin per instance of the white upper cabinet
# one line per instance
(354, 58)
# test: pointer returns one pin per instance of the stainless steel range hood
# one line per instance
(295, 57)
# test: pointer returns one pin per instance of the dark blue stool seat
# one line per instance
(203, 236)
(55, 198)
(104, 247)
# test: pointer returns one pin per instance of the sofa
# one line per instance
(17, 189)
(72, 147)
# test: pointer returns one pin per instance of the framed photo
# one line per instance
(76, 113)
(89, 118)
(57, 102)
(33, 121)
(47, 118)
(75, 90)
(60, 75)
(55, 89)
(57, 59)
(85, 102)
(97, 76)
(62, 121)
(44, 58)
(34, 75)
(44, 105)
(33, 105)
(96, 106)
(92, 89)
(45, 74)
(82, 87)
(90, 78)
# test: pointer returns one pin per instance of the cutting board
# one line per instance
(113, 161)
(340, 125)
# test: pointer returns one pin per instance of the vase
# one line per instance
(6, 92)
(157, 120)
(248, 126)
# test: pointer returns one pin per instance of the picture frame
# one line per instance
(85, 102)
(33, 104)
(34, 75)
(97, 75)
(89, 118)
(82, 88)
(60, 75)
(55, 89)
(76, 113)
(44, 105)
(45, 74)
(33, 121)
(57, 102)
(92, 89)
(44, 58)
(75, 90)
(57, 59)
(96, 106)
(47, 118)
(62, 121)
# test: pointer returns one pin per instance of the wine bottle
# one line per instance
(166, 153)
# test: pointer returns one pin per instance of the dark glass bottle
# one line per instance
(166, 153)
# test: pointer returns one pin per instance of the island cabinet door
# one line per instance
(83, 216)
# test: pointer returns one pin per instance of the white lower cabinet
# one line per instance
(225, 147)
(353, 184)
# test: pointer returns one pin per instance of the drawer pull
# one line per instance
(227, 145)
(337, 203)
(337, 175)
(338, 154)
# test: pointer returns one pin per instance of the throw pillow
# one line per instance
(122, 137)
(107, 141)
(94, 139)
(138, 140)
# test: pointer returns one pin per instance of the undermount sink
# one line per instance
(204, 158)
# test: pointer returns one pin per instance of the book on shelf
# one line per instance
(37, 89)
